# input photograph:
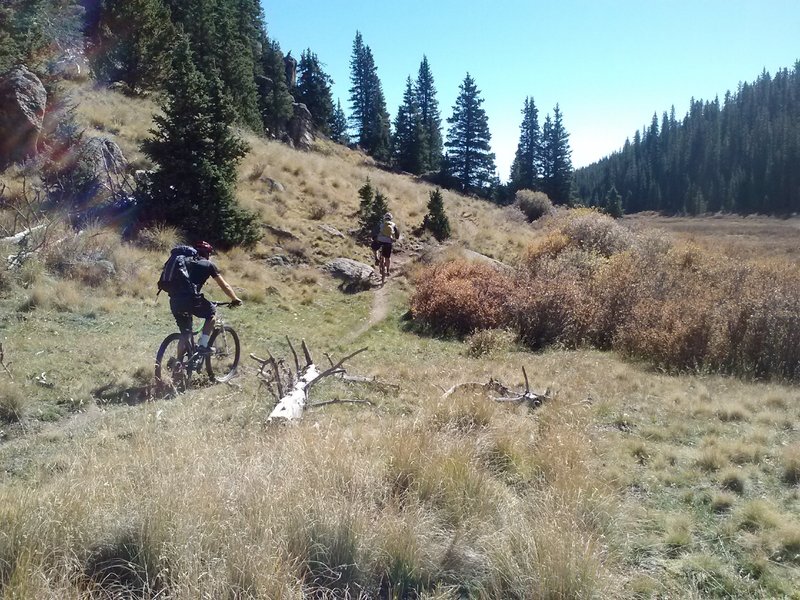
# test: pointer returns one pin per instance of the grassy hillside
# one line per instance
(629, 483)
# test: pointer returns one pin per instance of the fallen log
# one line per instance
(533, 399)
(293, 395)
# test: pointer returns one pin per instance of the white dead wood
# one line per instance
(293, 388)
(504, 394)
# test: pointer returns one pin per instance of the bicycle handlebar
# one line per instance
(229, 303)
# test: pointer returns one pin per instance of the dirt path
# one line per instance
(381, 296)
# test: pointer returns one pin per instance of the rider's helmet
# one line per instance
(204, 249)
(387, 216)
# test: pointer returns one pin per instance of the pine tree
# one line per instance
(468, 141)
(431, 119)
(133, 39)
(197, 155)
(380, 206)
(367, 103)
(338, 125)
(314, 90)
(242, 24)
(410, 143)
(275, 102)
(556, 159)
(436, 220)
(366, 195)
(612, 203)
(527, 161)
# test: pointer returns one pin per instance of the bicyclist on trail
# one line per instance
(188, 302)
(386, 236)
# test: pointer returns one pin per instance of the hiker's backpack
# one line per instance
(175, 275)
(388, 229)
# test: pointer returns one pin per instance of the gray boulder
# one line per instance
(355, 276)
(331, 231)
(23, 100)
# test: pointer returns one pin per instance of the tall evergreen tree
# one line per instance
(556, 159)
(431, 118)
(527, 161)
(275, 102)
(314, 90)
(367, 102)
(410, 143)
(237, 26)
(338, 125)
(133, 39)
(468, 140)
(197, 155)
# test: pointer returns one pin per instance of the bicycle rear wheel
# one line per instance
(222, 362)
(171, 369)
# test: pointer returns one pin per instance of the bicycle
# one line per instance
(382, 263)
(175, 369)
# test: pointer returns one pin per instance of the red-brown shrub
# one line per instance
(590, 281)
(461, 297)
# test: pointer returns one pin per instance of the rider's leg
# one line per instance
(204, 309)
(181, 310)
(387, 253)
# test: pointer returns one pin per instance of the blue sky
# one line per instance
(609, 64)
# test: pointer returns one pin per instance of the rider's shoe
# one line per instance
(204, 350)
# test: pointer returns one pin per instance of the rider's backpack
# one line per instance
(175, 275)
(388, 229)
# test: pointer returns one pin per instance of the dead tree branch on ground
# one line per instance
(293, 397)
(505, 394)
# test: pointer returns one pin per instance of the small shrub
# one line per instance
(488, 341)
(591, 230)
(159, 237)
(711, 458)
(732, 480)
(757, 515)
(12, 402)
(317, 211)
(722, 502)
(461, 297)
(534, 205)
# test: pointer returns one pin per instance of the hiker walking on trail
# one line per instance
(385, 237)
(184, 275)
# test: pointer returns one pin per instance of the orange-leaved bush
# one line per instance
(461, 297)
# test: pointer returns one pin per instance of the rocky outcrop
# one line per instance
(301, 127)
(23, 100)
(355, 275)
(290, 66)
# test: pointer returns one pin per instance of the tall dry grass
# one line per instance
(181, 506)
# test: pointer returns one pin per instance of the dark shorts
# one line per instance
(386, 249)
(183, 307)
(376, 245)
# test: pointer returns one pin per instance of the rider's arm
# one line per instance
(227, 288)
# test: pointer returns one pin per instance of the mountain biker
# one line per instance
(186, 304)
(386, 236)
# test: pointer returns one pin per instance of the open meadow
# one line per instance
(655, 468)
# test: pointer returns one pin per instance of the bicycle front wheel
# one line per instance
(221, 363)
(172, 368)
